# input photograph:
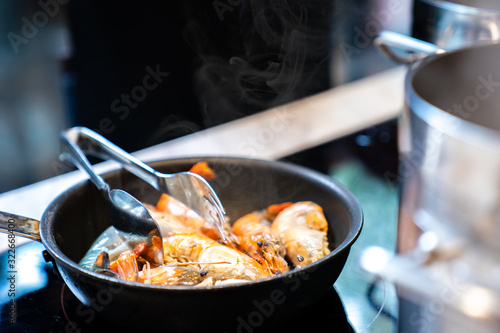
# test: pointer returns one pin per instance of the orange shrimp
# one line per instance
(170, 275)
(202, 169)
(174, 217)
(273, 210)
(152, 252)
(126, 266)
(257, 240)
(302, 227)
(217, 262)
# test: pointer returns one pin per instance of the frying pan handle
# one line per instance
(20, 226)
(413, 49)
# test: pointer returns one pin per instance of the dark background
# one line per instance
(89, 63)
(224, 61)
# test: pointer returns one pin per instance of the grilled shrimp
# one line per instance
(273, 210)
(202, 169)
(170, 275)
(217, 262)
(302, 227)
(175, 217)
(256, 239)
(126, 266)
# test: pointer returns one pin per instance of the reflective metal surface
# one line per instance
(19, 225)
(453, 24)
(453, 154)
(449, 194)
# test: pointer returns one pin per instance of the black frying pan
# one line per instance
(74, 220)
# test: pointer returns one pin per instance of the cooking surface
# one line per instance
(47, 305)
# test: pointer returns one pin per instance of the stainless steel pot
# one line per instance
(449, 173)
(450, 143)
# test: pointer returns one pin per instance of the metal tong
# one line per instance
(187, 187)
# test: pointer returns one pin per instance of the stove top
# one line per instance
(43, 303)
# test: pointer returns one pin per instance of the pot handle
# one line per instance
(20, 226)
(387, 41)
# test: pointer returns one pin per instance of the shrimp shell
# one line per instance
(126, 266)
(202, 169)
(302, 227)
(175, 217)
(257, 240)
(169, 275)
(217, 261)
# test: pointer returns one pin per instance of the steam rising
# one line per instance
(263, 54)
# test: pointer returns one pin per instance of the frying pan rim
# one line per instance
(343, 194)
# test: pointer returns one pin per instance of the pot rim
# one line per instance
(440, 119)
(461, 8)
(345, 196)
